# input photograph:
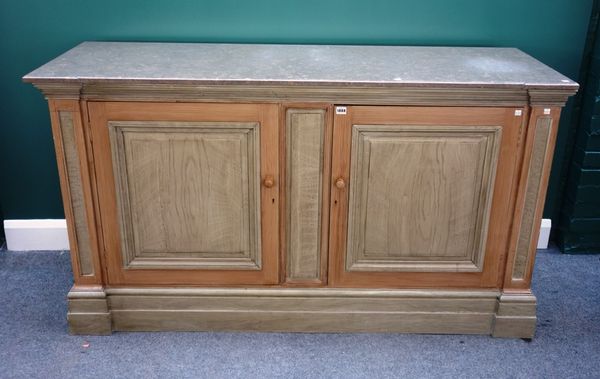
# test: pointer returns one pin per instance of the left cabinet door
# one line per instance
(187, 193)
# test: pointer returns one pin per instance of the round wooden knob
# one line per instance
(269, 181)
(340, 183)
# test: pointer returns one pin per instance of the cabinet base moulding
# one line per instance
(88, 311)
(515, 316)
(101, 311)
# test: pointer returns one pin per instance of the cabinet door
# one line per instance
(422, 196)
(187, 193)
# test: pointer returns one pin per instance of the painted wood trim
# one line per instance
(536, 165)
(549, 98)
(304, 205)
(302, 292)
(99, 232)
(88, 311)
(72, 158)
(99, 311)
(318, 322)
(267, 115)
(375, 95)
(532, 187)
(351, 95)
(515, 316)
(82, 238)
(502, 201)
(324, 238)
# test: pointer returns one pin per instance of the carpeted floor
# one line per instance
(34, 342)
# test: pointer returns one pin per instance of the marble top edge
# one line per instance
(319, 65)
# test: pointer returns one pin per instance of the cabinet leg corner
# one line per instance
(515, 316)
(88, 311)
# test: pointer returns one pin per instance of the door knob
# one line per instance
(269, 181)
(340, 183)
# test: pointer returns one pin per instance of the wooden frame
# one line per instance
(484, 142)
(535, 172)
(266, 115)
(501, 212)
(515, 316)
(326, 156)
(76, 174)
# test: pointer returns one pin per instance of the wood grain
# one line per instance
(537, 161)
(335, 94)
(420, 197)
(499, 215)
(284, 321)
(73, 166)
(102, 114)
(515, 316)
(305, 132)
(82, 238)
(303, 310)
(540, 146)
(94, 310)
(189, 193)
(88, 311)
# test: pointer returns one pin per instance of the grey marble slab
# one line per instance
(144, 62)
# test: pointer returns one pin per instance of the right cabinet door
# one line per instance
(422, 196)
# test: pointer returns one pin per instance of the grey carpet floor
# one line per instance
(34, 342)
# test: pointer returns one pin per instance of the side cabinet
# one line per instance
(302, 188)
(187, 193)
(421, 196)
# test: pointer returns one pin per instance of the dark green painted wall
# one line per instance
(33, 32)
(579, 228)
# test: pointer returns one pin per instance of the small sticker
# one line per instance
(518, 112)
(341, 110)
(546, 110)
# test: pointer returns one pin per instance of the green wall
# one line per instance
(33, 32)
(578, 230)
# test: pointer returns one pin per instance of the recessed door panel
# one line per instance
(306, 130)
(418, 195)
(188, 193)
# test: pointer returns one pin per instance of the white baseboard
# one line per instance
(544, 233)
(26, 235)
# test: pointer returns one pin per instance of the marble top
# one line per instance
(199, 63)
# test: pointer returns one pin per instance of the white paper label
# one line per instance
(341, 110)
